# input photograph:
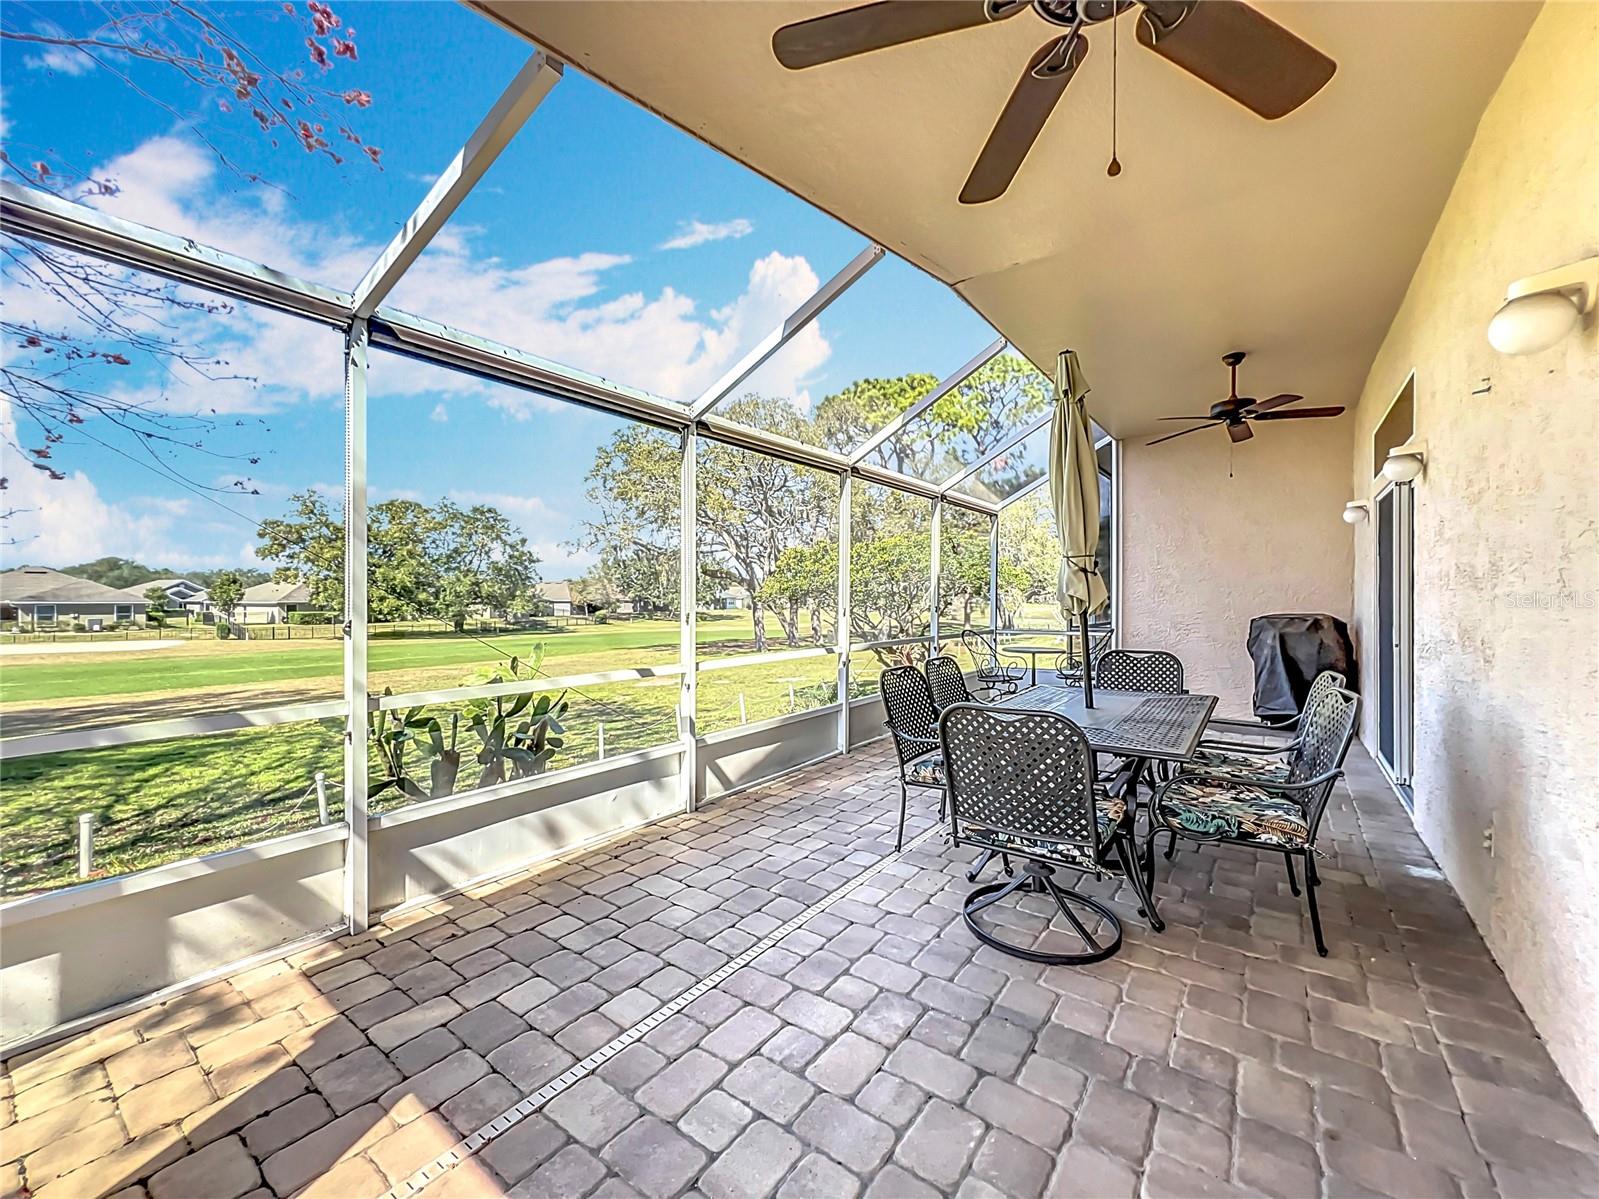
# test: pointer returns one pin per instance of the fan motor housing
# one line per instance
(1068, 12)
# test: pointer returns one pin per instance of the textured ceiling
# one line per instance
(1292, 239)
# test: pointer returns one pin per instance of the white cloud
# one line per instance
(440, 413)
(696, 233)
(64, 60)
(523, 507)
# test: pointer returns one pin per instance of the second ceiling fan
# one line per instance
(1236, 411)
(1226, 43)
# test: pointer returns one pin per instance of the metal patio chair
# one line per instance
(1222, 755)
(1069, 665)
(1152, 670)
(913, 724)
(1232, 728)
(993, 674)
(1022, 783)
(1277, 815)
(948, 683)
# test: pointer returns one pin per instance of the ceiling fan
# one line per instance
(1237, 411)
(1225, 43)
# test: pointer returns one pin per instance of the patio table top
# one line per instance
(1130, 723)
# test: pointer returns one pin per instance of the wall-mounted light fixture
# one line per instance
(1405, 462)
(1541, 309)
(1356, 511)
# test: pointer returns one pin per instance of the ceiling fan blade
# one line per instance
(1276, 401)
(1182, 432)
(1240, 432)
(1297, 414)
(1207, 416)
(878, 26)
(1023, 117)
(1238, 51)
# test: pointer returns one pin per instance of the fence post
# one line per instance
(85, 844)
(602, 739)
(791, 697)
(322, 796)
(743, 716)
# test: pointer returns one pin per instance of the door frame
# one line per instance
(1403, 581)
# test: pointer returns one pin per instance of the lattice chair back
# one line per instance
(1327, 680)
(1326, 730)
(948, 683)
(908, 705)
(1152, 670)
(1020, 782)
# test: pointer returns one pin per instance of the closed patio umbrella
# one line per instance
(1074, 489)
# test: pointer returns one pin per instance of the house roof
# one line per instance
(169, 584)
(558, 591)
(41, 585)
(277, 593)
(1292, 239)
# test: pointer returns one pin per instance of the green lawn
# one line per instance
(158, 802)
(193, 665)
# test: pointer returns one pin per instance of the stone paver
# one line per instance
(877, 1050)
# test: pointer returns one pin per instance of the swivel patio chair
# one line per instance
(1277, 815)
(994, 675)
(948, 683)
(913, 724)
(1022, 783)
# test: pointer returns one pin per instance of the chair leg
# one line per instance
(983, 860)
(899, 841)
(1135, 875)
(1293, 882)
(1311, 883)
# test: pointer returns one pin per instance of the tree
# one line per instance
(226, 591)
(442, 563)
(157, 598)
(60, 373)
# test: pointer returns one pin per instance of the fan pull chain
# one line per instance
(1115, 167)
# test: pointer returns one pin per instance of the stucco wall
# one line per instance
(1507, 542)
(1203, 553)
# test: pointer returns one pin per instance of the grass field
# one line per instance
(160, 801)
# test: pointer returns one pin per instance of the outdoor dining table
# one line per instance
(1135, 725)
(1032, 651)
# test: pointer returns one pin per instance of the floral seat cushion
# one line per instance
(1273, 768)
(1220, 808)
(928, 771)
(1108, 812)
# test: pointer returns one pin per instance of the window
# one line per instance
(44, 614)
(123, 613)
(890, 581)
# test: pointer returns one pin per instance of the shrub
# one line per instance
(224, 630)
(311, 618)
(79, 627)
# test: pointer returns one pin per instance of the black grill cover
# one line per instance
(1289, 650)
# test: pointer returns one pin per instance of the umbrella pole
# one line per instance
(1088, 675)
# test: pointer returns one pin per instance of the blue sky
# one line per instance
(603, 237)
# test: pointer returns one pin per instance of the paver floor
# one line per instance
(876, 1049)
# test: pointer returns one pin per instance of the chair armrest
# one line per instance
(1243, 749)
(928, 741)
(1291, 791)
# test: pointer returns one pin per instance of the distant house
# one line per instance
(730, 599)
(555, 599)
(179, 591)
(271, 603)
(37, 597)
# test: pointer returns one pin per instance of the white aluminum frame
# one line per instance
(360, 314)
(802, 316)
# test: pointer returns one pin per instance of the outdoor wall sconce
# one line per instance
(1356, 511)
(1541, 309)
(1405, 462)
